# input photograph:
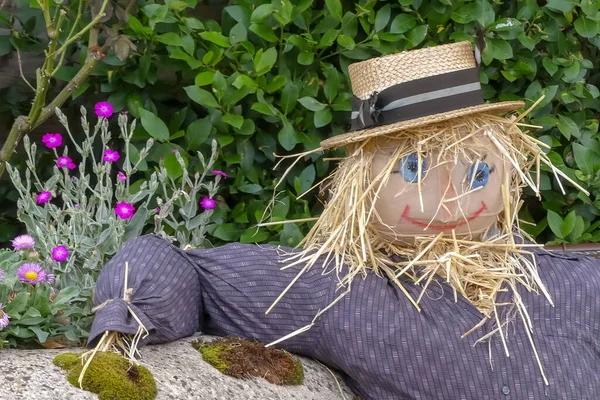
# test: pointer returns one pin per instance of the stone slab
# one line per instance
(179, 371)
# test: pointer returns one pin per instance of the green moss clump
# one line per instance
(214, 355)
(66, 360)
(244, 359)
(110, 375)
(297, 375)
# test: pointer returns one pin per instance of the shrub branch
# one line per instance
(40, 112)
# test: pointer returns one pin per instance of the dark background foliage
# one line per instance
(265, 77)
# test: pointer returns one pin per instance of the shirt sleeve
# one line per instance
(241, 281)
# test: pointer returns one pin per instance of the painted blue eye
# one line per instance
(409, 167)
(479, 177)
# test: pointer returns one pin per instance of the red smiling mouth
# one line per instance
(441, 227)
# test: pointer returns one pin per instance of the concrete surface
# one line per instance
(178, 369)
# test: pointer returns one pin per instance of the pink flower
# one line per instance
(121, 176)
(23, 242)
(104, 109)
(50, 278)
(65, 161)
(157, 209)
(52, 140)
(3, 317)
(207, 203)
(217, 172)
(174, 151)
(31, 273)
(124, 210)
(60, 253)
(43, 197)
(111, 155)
(1, 274)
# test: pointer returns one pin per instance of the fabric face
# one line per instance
(459, 190)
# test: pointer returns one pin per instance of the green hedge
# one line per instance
(272, 77)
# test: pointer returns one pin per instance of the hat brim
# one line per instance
(358, 136)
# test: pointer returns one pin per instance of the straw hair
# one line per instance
(477, 265)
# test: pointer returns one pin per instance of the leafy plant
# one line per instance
(82, 214)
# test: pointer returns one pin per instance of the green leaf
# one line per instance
(154, 125)
(41, 335)
(276, 83)
(527, 42)
(192, 23)
(234, 120)
(287, 136)
(328, 38)
(290, 235)
(219, 85)
(416, 36)
(549, 66)
(238, 33)
(590, 7)
(306, 58)
(237, 13)
(498, 49)
(264, 61)
(403, 23)
(506, 24)
(584, 158)
(250, 188)
(586, 27)
(245, 81)
(248, 128)
(197, 133)
(568, 224)
(572, 71)
(201, 96)
(171, 39)
(311, 103)
(174, 169)
(227, 232)
(263, 109)
(383, 17)
(562, 5)
(332, 86)
(555, 222)
(289, 97)
(467, 13)
(346, 42)
(253, 235)
(138, 221)
(216, 38)
(265, 32)
(17, 305)
(306, 179)
(567, 127)
(335, 9)
(261, 13)
(578, 230)
(204, 78)
(178, 54)
(322, 118)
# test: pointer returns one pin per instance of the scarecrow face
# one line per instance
(460, 190)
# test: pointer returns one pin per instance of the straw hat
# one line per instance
(414, 88)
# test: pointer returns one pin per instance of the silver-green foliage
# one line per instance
(81, 213)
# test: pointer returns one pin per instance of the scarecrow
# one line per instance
(415, 281)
